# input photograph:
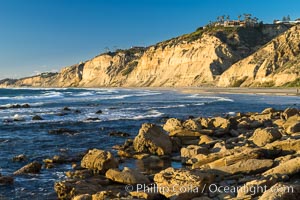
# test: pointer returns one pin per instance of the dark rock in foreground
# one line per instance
(32, 168)
(6, 180)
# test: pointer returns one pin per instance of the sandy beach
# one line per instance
(262, 91)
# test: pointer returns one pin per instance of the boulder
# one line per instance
(226, 158)
(206, 123)
(290, 167)
(204, 139)
(192, 125)
(149, 194)
(37, 117)
(191, 151)
(219, 147)
(63, 131)
(19, 158)
(289, 112)
(99, 112)
(127, 176)
(282, 191)
(268, 110)
(83, 197)
(220, 122)
(66, 109)
(81, 174)
(70, 188)
(172, 124)
(6, 180)
(114, 194)
(251, 166)
(290, 145)
(261, 137)
(244, 124)
(98, 160)
(119, 134)
(182, 184)
(93, 119)
(31, 168)
(261, 117)
(152, 139)
(293, 128)
(234, 158)
(185, 133)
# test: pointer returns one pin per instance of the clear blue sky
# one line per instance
(46, 35)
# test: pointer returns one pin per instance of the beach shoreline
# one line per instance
(261, 91)
(195, 90)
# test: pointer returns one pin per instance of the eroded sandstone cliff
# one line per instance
(275, 64)
(220, 56)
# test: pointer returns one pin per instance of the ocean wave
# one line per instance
(30, 104)
(126, 96)
(46, 95)
(170, 106)
(151, 114)
(83, 94)
(197, 96)
(147, 94)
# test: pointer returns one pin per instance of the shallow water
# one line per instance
(123, 110)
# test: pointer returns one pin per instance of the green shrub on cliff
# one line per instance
(295, 83)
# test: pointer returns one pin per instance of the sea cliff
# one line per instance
(213, 56)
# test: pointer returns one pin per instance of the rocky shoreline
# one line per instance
(240, 156)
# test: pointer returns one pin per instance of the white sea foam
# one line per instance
(46, 95)
(151, 114)
(170, 106)
(83, 94)
(197, 96)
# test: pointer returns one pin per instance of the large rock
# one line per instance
(185, 133)
(261, 117)
(127, 176)
(290, 167)
(71, 188)
(152, 139)
(83, 197)
(251, 166)
(290, 145)
(290, 121)
(115, 194)
(264, 136)
(149, 194)
(293, 128)
(191, 151)
(31, 168)
(282, 191)
(6, 180)
(289, 112)
(268, 110)
(99, 161)
(192, 125)
(233, 158)
(181, 184)
(220, 122)
(201, 159)
(172, 124)
(204, 139)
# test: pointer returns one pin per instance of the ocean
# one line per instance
(76, 110)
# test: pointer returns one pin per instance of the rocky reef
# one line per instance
(238, 156)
